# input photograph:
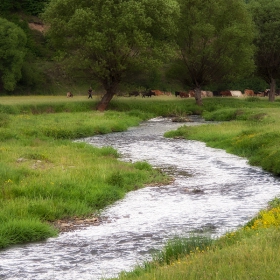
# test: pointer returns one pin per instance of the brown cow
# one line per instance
(184, 94)
(69, 94)
(248, 92)
(191, 93)
(157, 92)
(226, 93)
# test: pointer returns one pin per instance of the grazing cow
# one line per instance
(69, 94)
(209, 93)
(191, 93)
(157, 92)
(248, 92)
(236, 93)
(184, 94)
(177, 93)
(203, 93)
(225, 93)
(148, 93)
(134, 93)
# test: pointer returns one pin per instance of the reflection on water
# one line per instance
(213, 192)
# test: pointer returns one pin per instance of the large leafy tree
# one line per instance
(108, 38)
(215, 43)
(12, 53)
(266, 15)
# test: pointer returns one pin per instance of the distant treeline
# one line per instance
(32, 7)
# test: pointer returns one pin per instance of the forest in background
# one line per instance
(43, 73)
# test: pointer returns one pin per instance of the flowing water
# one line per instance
(213, 192)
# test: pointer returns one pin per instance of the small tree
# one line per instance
(12, 53)
(266, 15)
(215, 43)
(107, 38)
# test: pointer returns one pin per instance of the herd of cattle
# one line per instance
(191, 93)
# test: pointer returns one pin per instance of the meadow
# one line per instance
(46, 176)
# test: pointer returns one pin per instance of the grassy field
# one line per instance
(46, 176)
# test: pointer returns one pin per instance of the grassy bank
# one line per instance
(248, 129)
(45, 176)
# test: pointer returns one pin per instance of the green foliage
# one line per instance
(12, 53)
(142, 165)
(266, 17)
(33, 7)
(117, 37)
(215, 39)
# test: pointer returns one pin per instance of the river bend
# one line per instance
(213, 192)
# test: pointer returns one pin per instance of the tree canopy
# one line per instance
(12, 53)
(266, 15)
(108, 38)
(215, 41)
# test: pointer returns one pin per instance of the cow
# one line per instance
(157, 92)
(69, 94)
(177, 93)
(248, 92)
(225, 93)
(184, 94)
(236, 93)
(209, 93)
(217, 93)
(148, 93)
(191, 93)
(203, 93)
(134, 93)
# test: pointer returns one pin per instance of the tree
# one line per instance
(214, 41)
(12, 53)
(108, 38)
(266, 15)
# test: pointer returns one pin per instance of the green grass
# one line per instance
(45, 176)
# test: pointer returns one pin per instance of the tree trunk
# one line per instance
(197, 95)
(107, 97)
(272, 90)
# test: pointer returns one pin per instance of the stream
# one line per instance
(213, 192)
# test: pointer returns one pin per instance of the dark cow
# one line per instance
(177, 93)
(184, 94)
(148, 93)
(216, 93)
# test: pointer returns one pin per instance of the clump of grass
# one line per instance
(17, 231)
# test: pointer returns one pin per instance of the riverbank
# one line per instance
(252, 251)
(52, 164)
